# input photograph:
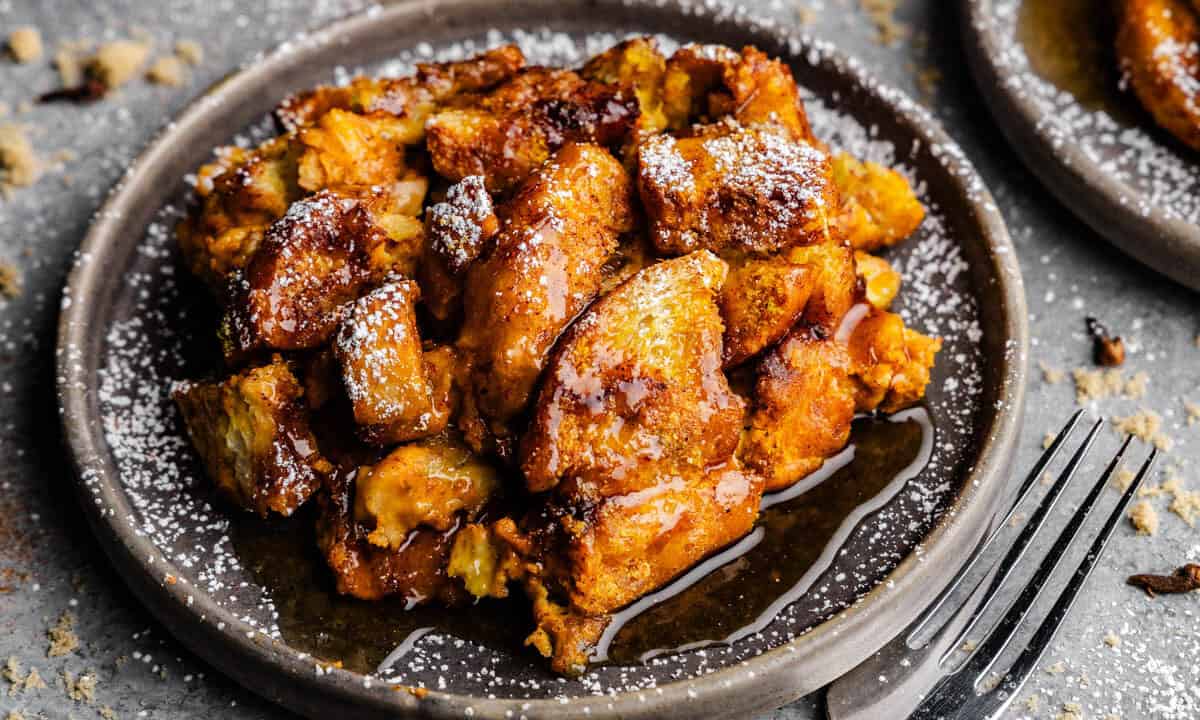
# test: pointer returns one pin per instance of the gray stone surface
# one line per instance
(49, 564)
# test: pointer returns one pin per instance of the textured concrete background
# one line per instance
(49, 564)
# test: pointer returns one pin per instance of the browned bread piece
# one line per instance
(707, 82)
(458, 231)
(878, 206)
(638, 65)
(391, 387)
(411, 99)
(311, 262)
(509, 132)
(548, 263)
(890, 364)
(251, 431)
(1158, 48)
(415, 571)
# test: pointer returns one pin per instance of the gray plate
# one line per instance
(1091, 145)
(130, 324)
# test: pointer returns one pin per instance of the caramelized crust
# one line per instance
(638, 66)
(803, 408)
(708, 82)
(410, 100)
(384, 372)
(251, 431)
(762, 299)
(506, 134)
(429, 484)
(1158, 47)
(458, 231)
(547, 265)
(311, 262)
(729, 187)
(878, 206)
(416, 570)
(635, 389)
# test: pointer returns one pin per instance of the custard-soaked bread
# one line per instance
(803, 406)
(636, 423)
(410, 100)
(709, 82)
(241, 193)
(638, 65)
(762, 299)
(730, 187)
(547, 264)
(1158, 47)
(878, 206)
(416, 570)
(252, 433)
(880, 281)
(508, 133)
(458, 231)
(395, 393)
(890, 363)
(431, 483)
(311, 262)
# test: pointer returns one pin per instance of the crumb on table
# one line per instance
(167, 70)
(1144, 518)
(25, 44)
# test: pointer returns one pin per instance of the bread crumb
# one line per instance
(19, 165)
(1193, 412)
(116, 62)
(14, 715)
(1135, 388)
(10, 280)
(1112, 716)
(1112, 639)
(167, 70)
(1047, 479)
(928, 80)
(1186, 505)
(12, 673)
(1123, 479)
(25, 44)
(107, 713)
(1057, 668)
(189, 51)
(81, 689)
(1048, 440)
(1051, 374)
(1093, 385)
(1145, 425)
(883, 15)
(968, 646)
(1144, 518)
(62, 636)
(1033, 703)
(1070, 711)
(70, 69)
(1016, 520)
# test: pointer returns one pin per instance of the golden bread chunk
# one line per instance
(344, 149)
(890, 364)
(482, 562)
(762, 299)
(879, 279)
(638, 65)
(431, 483)
(707, 82)
(411, 99)
(416, 570)
(803, 408)
(635, 391)
(729, 187)
(458, 231)
(508, 133)
(241, 193)
(1158, 48)
(879, 207)
(547, 265)
(311, 262)
(384, 372)
(835, 284)
(251, 431)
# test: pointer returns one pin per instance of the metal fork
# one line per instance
(924, 654)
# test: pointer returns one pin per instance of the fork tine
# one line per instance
(1026, 486)
(1029, 658)
(1017, 552)
(1002, 632)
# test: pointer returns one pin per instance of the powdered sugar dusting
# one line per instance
(153, 339)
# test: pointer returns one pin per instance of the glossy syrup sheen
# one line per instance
(1070, 44)
(730, 595)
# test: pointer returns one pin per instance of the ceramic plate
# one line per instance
(828, 577)
(1048, 70)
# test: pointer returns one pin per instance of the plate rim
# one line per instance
(1167, 245)
(274, 670)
